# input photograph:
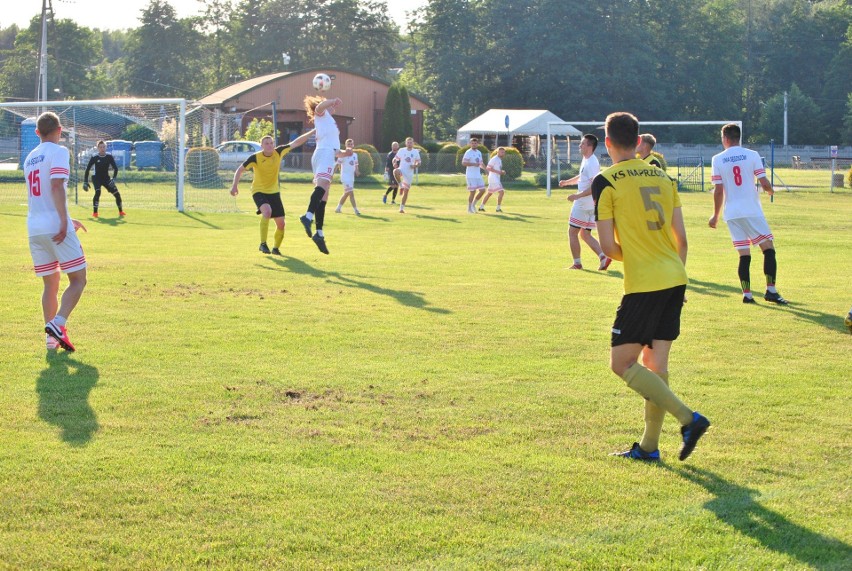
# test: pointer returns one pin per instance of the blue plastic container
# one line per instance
(149, 154)
(28, 140)
(120, 150)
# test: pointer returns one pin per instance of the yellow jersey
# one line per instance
(640, 200)
(266, 169)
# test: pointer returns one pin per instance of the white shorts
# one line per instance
(475, 183)
(323, 162)
(348, 184)
(746, 232)
(50, 257)
(494, 184)
(407, 177)
(582, 217)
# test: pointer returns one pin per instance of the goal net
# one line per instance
(165, 151)
(686, 147)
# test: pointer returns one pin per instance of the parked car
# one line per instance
(233, 153)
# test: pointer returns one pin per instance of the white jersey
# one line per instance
(472, 155)
(495, 163)
(735, 169)
(589, 169)
(328, 135)
(407, 159)
(348, 165)
(46, 162)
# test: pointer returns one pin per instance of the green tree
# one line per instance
(846, 135)
(256, 130)
(162, 54)
(393, 118)
(804, 119)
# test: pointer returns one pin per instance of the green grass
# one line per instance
(433, 394)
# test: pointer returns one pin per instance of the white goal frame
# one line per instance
(181, 156)
(601, 123)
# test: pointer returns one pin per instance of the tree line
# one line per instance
(674, 60)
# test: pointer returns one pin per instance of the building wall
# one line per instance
(361, 97)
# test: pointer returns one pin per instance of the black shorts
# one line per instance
(109, 185)
(643, 317)
(273, 200)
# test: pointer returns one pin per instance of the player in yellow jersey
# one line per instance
(640, 223)
(265, 189)
(646, 145)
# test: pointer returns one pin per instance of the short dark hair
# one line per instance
(622, 129)
(47, 123)
(593, 141)
(101, 142)
(649, 139)
(732, 132)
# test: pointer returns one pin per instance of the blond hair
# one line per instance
(311, 102)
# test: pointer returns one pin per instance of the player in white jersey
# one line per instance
(495, 184)
(582, 220)
(320, 112)
(406, 161)
(473, 163)
(733, 174)
(348, 171)
(52, 246)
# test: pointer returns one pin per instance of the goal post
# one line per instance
(150, 139)
(553, 126)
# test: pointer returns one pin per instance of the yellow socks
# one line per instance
(655, 389)
(279, 237)
(264, 229)
(654, 416)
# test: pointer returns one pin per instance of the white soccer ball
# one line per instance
(322, 82)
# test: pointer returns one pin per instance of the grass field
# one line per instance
(433, 394)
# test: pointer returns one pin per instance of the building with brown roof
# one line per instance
(359, 117)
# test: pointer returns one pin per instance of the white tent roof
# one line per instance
(521, 122)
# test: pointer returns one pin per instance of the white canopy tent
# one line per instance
(525, 122)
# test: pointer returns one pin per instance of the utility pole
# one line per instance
(41, 84)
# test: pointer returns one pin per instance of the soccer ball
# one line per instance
(322, 82)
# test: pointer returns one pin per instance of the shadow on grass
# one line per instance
(437, 218)
(198, 218)
(736, 506)
(407, 298)
(827, 320)
(369, 217)
(63, 390)
(117, 221)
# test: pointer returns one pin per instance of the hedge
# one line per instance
(377, 162)
(365, 162)
(513, 163)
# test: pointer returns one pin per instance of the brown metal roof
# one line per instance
(237, 89)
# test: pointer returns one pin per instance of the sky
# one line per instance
(125, 13)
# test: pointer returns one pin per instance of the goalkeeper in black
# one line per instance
(102, 162)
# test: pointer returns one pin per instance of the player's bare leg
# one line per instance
(479, 195)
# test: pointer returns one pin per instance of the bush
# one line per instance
(460, 153)
(513, 163)
(445, 160)
(365, 162)
(202, 164)
(541, 177)
(432, 146)
(424, 157)
(375, 157)
(849, 178)
(138, 133)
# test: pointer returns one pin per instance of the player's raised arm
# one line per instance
(302, 139)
